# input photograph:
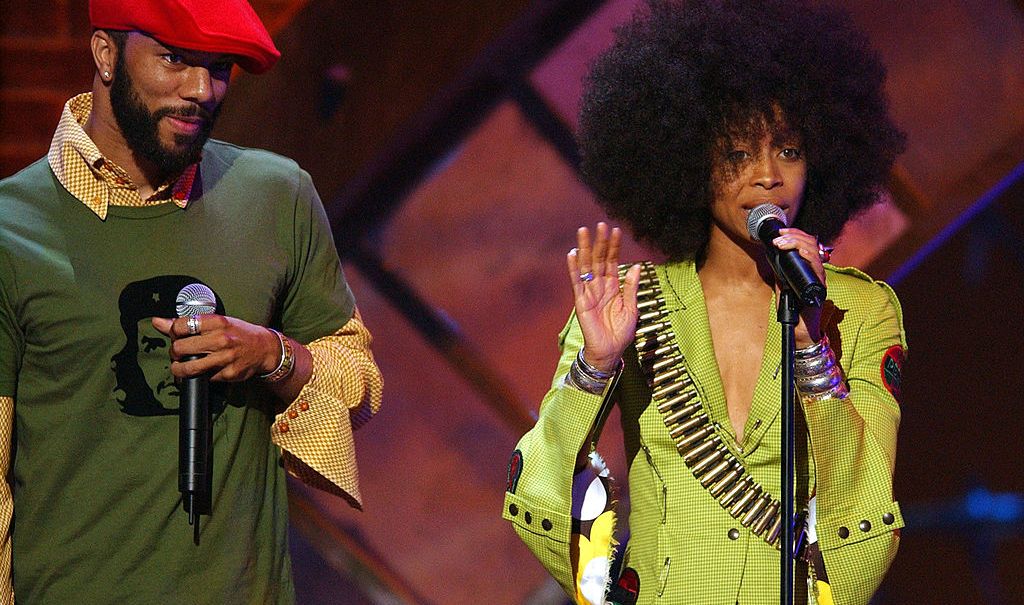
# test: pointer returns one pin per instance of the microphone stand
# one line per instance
(789, 317)
(793, 274)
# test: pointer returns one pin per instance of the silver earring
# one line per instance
(106, 75)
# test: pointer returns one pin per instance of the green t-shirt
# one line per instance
(98, 517)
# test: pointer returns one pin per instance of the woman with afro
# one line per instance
(702, 111)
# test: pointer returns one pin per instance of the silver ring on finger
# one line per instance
(824, 252)
(193, 325)
(587, 277)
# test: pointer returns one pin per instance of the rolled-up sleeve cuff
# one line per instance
(343, 393)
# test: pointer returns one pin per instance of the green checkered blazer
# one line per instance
(682, 543)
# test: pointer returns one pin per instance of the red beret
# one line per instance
(219, 26)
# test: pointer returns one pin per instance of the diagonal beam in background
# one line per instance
(374, 577)
(445, 336)
(368, 199)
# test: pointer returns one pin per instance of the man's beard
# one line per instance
(140, 128)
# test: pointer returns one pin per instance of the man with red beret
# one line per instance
(132, 205)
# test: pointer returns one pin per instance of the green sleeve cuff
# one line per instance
(857, 525)
(527, 517)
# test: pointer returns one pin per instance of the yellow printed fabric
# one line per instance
(593, 518)
(687, 549)
(595, 561)
(6, 502)
(823, 593)
(315, 431)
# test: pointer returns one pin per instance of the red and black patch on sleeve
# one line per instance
(892, 370)
(515, 468)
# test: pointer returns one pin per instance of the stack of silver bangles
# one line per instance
(818, 375)
(587, 378)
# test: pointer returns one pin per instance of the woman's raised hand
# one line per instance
(808, 331)
(606, 313)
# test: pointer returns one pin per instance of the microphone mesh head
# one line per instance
(761, 213)
(195, 299)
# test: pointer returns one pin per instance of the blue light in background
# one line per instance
(983, 505)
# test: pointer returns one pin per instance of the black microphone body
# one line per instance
(195, 444)
(791, 269)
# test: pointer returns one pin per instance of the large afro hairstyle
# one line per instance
(682, 76)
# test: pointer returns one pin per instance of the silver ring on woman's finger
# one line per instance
(824, 252)
(588, 276)
(193, 325)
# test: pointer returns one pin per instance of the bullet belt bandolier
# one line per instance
(695, 436)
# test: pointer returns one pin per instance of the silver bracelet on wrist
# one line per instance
(818, 375)
(819, 382)
(815, 365)
(587, 378)
(815, 359)
(286, 363)
(840, 391)
(591, 370)
(815, 350)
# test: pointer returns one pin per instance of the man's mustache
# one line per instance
(188, 111)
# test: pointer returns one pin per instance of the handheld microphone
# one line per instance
(195, 435)
(763, 224)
